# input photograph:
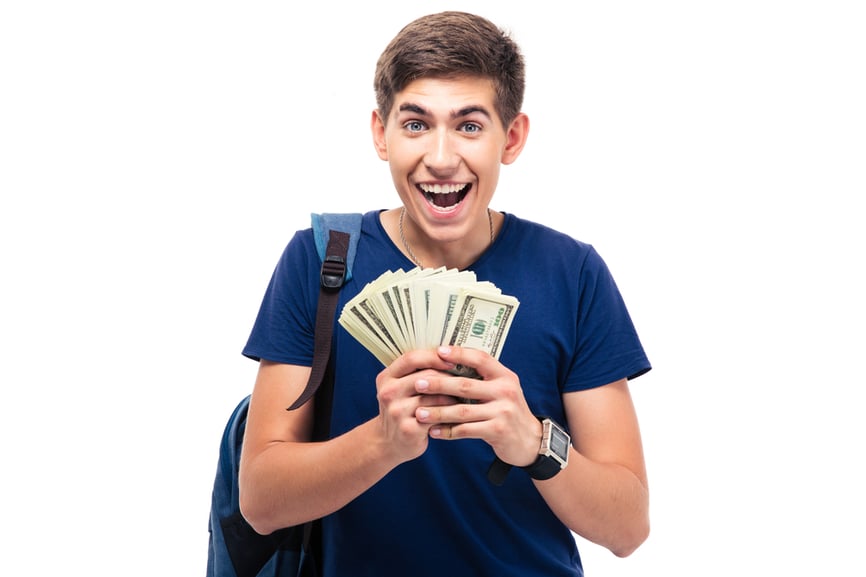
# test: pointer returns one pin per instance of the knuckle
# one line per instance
(393, 411)
(498, 428)
(414, 357)
(464, 387)
(385, 394)
(464, 411)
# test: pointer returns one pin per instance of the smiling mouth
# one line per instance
(444, 195)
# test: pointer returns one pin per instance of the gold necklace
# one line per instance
(409, 249)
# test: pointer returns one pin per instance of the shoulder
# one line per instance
(528, 229)
(311, 241)
(547, 246)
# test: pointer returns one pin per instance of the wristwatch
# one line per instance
(553, 453)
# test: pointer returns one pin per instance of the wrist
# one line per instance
(533, 443)
(379, 447)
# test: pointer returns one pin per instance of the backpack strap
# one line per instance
(324, 223)
(342, 232)
(337, 255)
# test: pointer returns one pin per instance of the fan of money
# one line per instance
(424, 308)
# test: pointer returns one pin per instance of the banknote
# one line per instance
(481, 320)
(424, 308)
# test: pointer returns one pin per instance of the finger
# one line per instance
(453, 431)
(416, 360)
(454, 413)
(466, 390)
(465, 360)
(438, 400)
(441, 432)
(431, 399)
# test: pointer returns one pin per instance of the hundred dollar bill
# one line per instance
(366, 322)
(355, 321)
(482, 322)
(443, 296)
(425, 302)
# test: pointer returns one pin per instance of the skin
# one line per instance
(444, 132)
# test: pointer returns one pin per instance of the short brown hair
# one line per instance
(449, 45)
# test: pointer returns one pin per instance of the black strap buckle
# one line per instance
(333, 272)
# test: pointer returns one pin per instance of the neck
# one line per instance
(458, 253)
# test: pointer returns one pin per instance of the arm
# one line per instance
(602, 495)
(285, 480)
(278, 481)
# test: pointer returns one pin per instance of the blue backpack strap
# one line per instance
(348, 222)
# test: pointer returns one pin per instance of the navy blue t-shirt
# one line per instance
(439, 513)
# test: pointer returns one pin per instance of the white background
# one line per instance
(156, 156)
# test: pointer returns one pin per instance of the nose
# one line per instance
(442, 158)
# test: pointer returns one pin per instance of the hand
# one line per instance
(399, 400)
(497, 411)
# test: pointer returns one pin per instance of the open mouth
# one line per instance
(444, 196)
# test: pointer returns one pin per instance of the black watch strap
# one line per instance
(543, 468)
(498, 471)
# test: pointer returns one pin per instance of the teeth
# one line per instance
(442, 188)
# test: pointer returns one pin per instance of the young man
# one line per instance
(402, 484)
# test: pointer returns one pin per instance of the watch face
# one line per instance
(558, 442)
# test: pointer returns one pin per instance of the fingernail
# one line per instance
(422, 385)
(423, 413)
(435, 432)
(443, 350)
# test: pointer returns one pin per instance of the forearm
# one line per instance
(289, 483)
(604, 503)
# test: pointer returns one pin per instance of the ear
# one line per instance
(515, 138)
(377, 127)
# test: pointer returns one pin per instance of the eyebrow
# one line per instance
(465, 111)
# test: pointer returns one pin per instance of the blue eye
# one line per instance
(414, 126)
(471, 128)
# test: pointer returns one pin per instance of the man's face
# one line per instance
(445, 144)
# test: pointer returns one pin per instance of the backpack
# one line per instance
(234, 548)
